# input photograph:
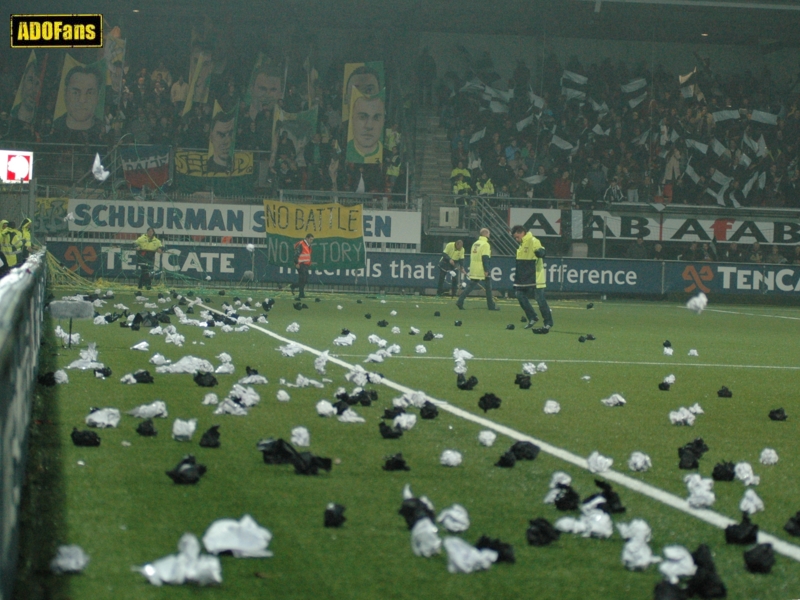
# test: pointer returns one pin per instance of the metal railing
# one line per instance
(22, 294)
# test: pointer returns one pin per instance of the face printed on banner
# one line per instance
(221, 140)
(367, 78)
(81, 96)
(368, 119)
(267, 90)
(29, 92)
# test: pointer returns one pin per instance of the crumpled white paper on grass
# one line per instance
(598, 463)
(69, 559)
(450, 458)
(751, 503)
(325, 409)
(464, 558)
(301, 437)
(187, 364)
(700, 491)
(210, 399)
(105, 417)
(291, 349)
(678, 562)
(229, 407)
(405, 421)
(768, 457)
(243, 538)
(614, 400)
(487, 437)
(88, 359)
(225, 369)
(454, 519)
(182, 430)
(351, 416)
(157, 408)
(345, 340)
(246, 396)
(425, 541)
(744, 473)
(593, 522)
(283, 396)
(636, 554)
(253, 380)
(551, 407)
(321, 361)
(682, 416)
(159, 359)
(639, 461)
(61, 376)
(698, 303)
(293, 327)
(143, 346)
(188, 566)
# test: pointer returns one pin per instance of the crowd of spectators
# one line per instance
(149, 109)
(714, 252)
(609, 133)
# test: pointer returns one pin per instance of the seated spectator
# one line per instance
(775, 257)
(692, 253)
(796, 255)
(709, 252)
(484, 185)
(511, 150)
(460, 170)
(613, 193)
(637, 250)
(461, 187)
(659, 253)
(756, 255)
(732, 253)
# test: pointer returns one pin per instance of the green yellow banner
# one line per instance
(338, 234)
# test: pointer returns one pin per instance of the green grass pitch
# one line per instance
(124, 511)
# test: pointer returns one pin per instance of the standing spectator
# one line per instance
(178, 94)
(659, 253)
(392, 138)
(562, 187)
(613, 193)
(480, 256)
(709, 252)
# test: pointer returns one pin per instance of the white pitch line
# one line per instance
(709, 516)
(735, 312)
(600, 362)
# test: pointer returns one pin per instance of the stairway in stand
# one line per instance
(433, 166)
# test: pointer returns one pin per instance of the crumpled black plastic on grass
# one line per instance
(742, 533)
(541, 533)
(187, 472)
(84, 438)
(146, 428)
(489, 401)
(210, 438)
(396, 462)
(505, 551)
(466, 384)
(334, 515)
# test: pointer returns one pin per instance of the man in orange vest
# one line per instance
(302, 262)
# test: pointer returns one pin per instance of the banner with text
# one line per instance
(145, 166)
(338, 233)
(196, 218)
(229, 262)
